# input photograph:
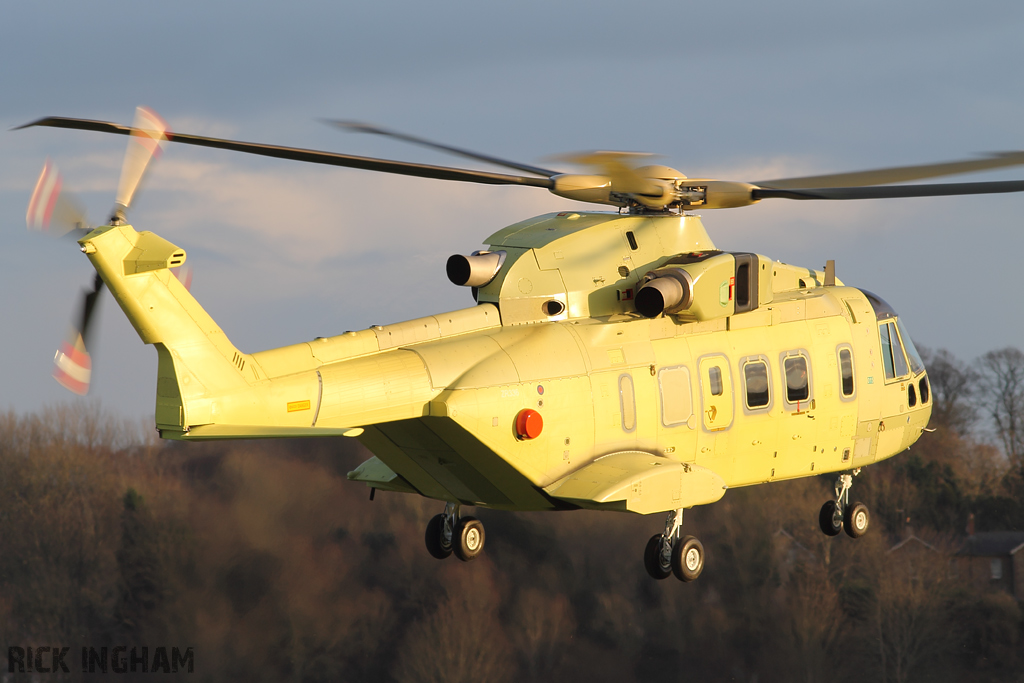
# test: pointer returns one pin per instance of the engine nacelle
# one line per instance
(703, 286)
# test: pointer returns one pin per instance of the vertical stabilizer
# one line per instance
(196, 359)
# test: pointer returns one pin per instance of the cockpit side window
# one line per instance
(892, 353)
(890, 369)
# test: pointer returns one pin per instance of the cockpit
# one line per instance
(900, 358)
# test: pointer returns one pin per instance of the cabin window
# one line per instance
(755, 378)
(924, 390)
(846, 371)
(627, 403)
(715, 381)
(911, 395)
(797, 387)
(676, 397)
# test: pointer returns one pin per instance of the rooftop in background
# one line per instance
(992, 543)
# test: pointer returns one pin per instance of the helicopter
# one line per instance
(613, 360)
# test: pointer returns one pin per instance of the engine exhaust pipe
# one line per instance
(668, 290)
(475, 270)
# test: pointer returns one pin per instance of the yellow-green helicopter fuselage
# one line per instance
(554, 391)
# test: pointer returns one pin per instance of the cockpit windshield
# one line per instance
(916, 364)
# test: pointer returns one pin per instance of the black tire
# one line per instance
(653, 560)
(468, 538)
(687, 559)
(830, 526)
(856, 520)
(435, 538)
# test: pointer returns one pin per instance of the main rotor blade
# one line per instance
(889, 192)
(898, 174)
(309, 155)
(357, 127)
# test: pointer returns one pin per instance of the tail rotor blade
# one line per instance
(184, 275)
(52, 210)
(149, 133)
(72, 362)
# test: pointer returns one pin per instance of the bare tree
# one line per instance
(909, 613)
(814, 616)
(953, 384)
(542, 624)
(462, 641)
(1003, 382)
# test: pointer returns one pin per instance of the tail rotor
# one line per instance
(56, 212)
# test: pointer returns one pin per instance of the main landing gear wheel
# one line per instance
(468, 538)
(657, 564)
(687, 558)
(830, 519)
(447, 533)
(437, 545)
(667, 553)
(856, 520)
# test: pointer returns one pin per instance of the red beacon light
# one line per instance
(529, 424)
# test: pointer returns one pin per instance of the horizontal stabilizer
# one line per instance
(221, 431)
(639, 482)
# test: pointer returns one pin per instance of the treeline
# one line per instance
(265, 560)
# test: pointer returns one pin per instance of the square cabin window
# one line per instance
(797, 388)
(755, 379)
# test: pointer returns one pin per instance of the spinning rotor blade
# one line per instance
(624, 177)
(309, 155)
(898, 174)
(72, 364)
(147, 138)
(51, 210)
(357, 127)
(889, 192)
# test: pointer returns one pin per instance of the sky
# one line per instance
(283, 252)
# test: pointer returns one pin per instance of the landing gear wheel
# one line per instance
(436, 545)
(856, 520)
(468, 538)
(654, 559)
(687, 558)
(831, 523)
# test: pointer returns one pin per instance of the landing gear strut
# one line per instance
(672, 553)
(448, 532)
(838, 515)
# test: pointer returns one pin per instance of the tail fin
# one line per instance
(196, 359)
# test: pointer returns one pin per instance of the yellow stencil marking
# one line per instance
(296, 406)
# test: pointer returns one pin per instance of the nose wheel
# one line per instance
(448, 532)
(838, 515)
(672, 553)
